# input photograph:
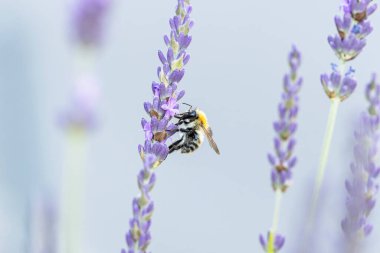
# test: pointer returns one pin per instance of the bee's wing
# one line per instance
(211, 141)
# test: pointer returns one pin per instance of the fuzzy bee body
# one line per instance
(190, 141)
(194, 126)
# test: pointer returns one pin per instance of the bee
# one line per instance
(194, 126)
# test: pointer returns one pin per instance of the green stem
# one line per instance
(73, 192)
(335, 102)
(276, 218)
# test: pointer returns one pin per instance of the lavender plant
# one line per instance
(352, 29)
(80, 117)
(158, 127)
(283, 160)
(362, 186)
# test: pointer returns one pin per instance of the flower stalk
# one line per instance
(352, 29)
(276, 217)
(334, 106)
(283, 161)
(73, 192)
(157, 126)
(80, 117)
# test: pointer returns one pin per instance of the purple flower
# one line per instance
(81, 112)
(158, 127)
(171, 107)
(147, 128)
(88, 20)
(352, 28)
(363, 185)
(282, 161)
(276, 241)
(335, 85)
(347, 48)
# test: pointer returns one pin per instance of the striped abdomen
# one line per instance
(192, 141)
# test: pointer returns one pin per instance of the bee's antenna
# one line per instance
(188, 105)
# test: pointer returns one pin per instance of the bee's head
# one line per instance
(191, 113)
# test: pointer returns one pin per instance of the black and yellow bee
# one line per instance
(194, 126)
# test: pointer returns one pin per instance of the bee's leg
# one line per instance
(186, 117)
(176, 145)
(186, 130)
(180, 122)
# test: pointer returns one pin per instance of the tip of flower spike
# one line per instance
(294, 58)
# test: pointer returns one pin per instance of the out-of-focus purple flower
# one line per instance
(88, 20)
(81, 111)
(282, 161)
(273, 242)
(363, 185)
(158, 127)
(352, 28)
(337, 86)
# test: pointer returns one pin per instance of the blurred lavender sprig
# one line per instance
(362, 187)
(88, 20)
(352, 29)
(79, 117)
(283, 160)
(158, 127)
(87, 25)
(81, 110)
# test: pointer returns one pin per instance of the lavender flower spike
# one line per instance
(282, 161)
(362, 187)
(352, 29)
(158, 127)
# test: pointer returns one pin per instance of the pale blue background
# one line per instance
(204, 203)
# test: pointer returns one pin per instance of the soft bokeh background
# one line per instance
(204, 203)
